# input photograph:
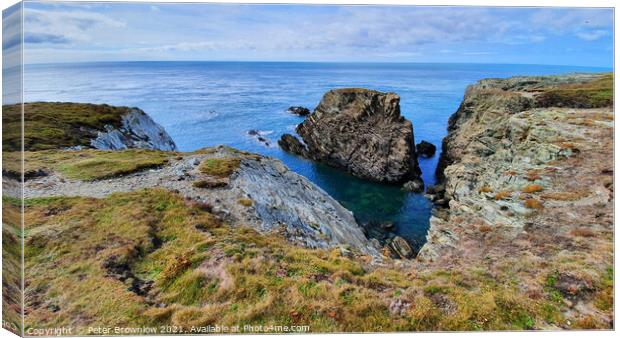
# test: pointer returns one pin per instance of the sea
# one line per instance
(203, 104)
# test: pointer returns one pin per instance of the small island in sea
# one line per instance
(146, 198)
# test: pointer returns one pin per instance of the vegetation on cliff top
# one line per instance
(168, 260)
(87, 164)
(593, 94)
(52, 125)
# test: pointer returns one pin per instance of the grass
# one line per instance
(246, 202)
(214, 273)
(502, 195)
(53, 125)
(532, 188)
(87, 164)
(220, 167)
(593, 94)
(532, 203)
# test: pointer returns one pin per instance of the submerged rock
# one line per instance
(137, 130)
(301, 111)
(362, 132)
(425, 149)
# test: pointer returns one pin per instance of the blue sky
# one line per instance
(143, 31)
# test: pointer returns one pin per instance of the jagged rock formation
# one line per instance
(360, 131)
(529, 180)
(137, 130)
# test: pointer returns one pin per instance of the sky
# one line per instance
(79, 32)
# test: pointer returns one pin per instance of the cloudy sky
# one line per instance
(123, 31)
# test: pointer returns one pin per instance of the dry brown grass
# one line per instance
(532, 203)
(565, 195)
(582, 232)
(532, 188)
(485, 189)
(502, 195)
(246, 202)
(533, 175)
(484, 228)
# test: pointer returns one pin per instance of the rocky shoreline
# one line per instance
(522, 228)
(527, 186)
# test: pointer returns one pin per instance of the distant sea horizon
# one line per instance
(207, 103)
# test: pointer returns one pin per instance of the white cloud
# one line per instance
(591, 35)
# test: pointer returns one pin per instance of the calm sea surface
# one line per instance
(209, 103)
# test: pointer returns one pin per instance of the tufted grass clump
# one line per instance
(532, 188)
(220, 167)
(532, 203)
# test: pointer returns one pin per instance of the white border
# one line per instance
(495, 3)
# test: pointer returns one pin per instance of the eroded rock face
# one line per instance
(138, 130)
(526, 183)
(362, 132)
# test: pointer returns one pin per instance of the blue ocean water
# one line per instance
(203, 104)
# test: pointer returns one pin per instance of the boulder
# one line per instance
(416, 186)
(291, 144)
(401, 248)
(301, 111)
(425, 149)
(362, 132)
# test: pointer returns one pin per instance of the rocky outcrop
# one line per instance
(261, 193)
(527, 185)
(137, 130)
(300, 111)
(292, 144)
(362, 132)
(282, 198)
(425, 149)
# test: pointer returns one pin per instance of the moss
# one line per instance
(209, 184)
(53, 125)
(220, 167)
(246, 202)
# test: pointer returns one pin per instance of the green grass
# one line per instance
(88, 164)
(232, 276)
(593, 94)
(52, 125)
(220, 167)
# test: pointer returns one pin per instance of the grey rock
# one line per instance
(401, 248)
(301, 111)
(416, 186)
(309, 215)
(138, 130)
(362, 132)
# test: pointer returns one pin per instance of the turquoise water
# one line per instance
(209, 103)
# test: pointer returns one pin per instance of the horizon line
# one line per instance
(326, 62)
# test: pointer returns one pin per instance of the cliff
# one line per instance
(54, 125)
(527, 168)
